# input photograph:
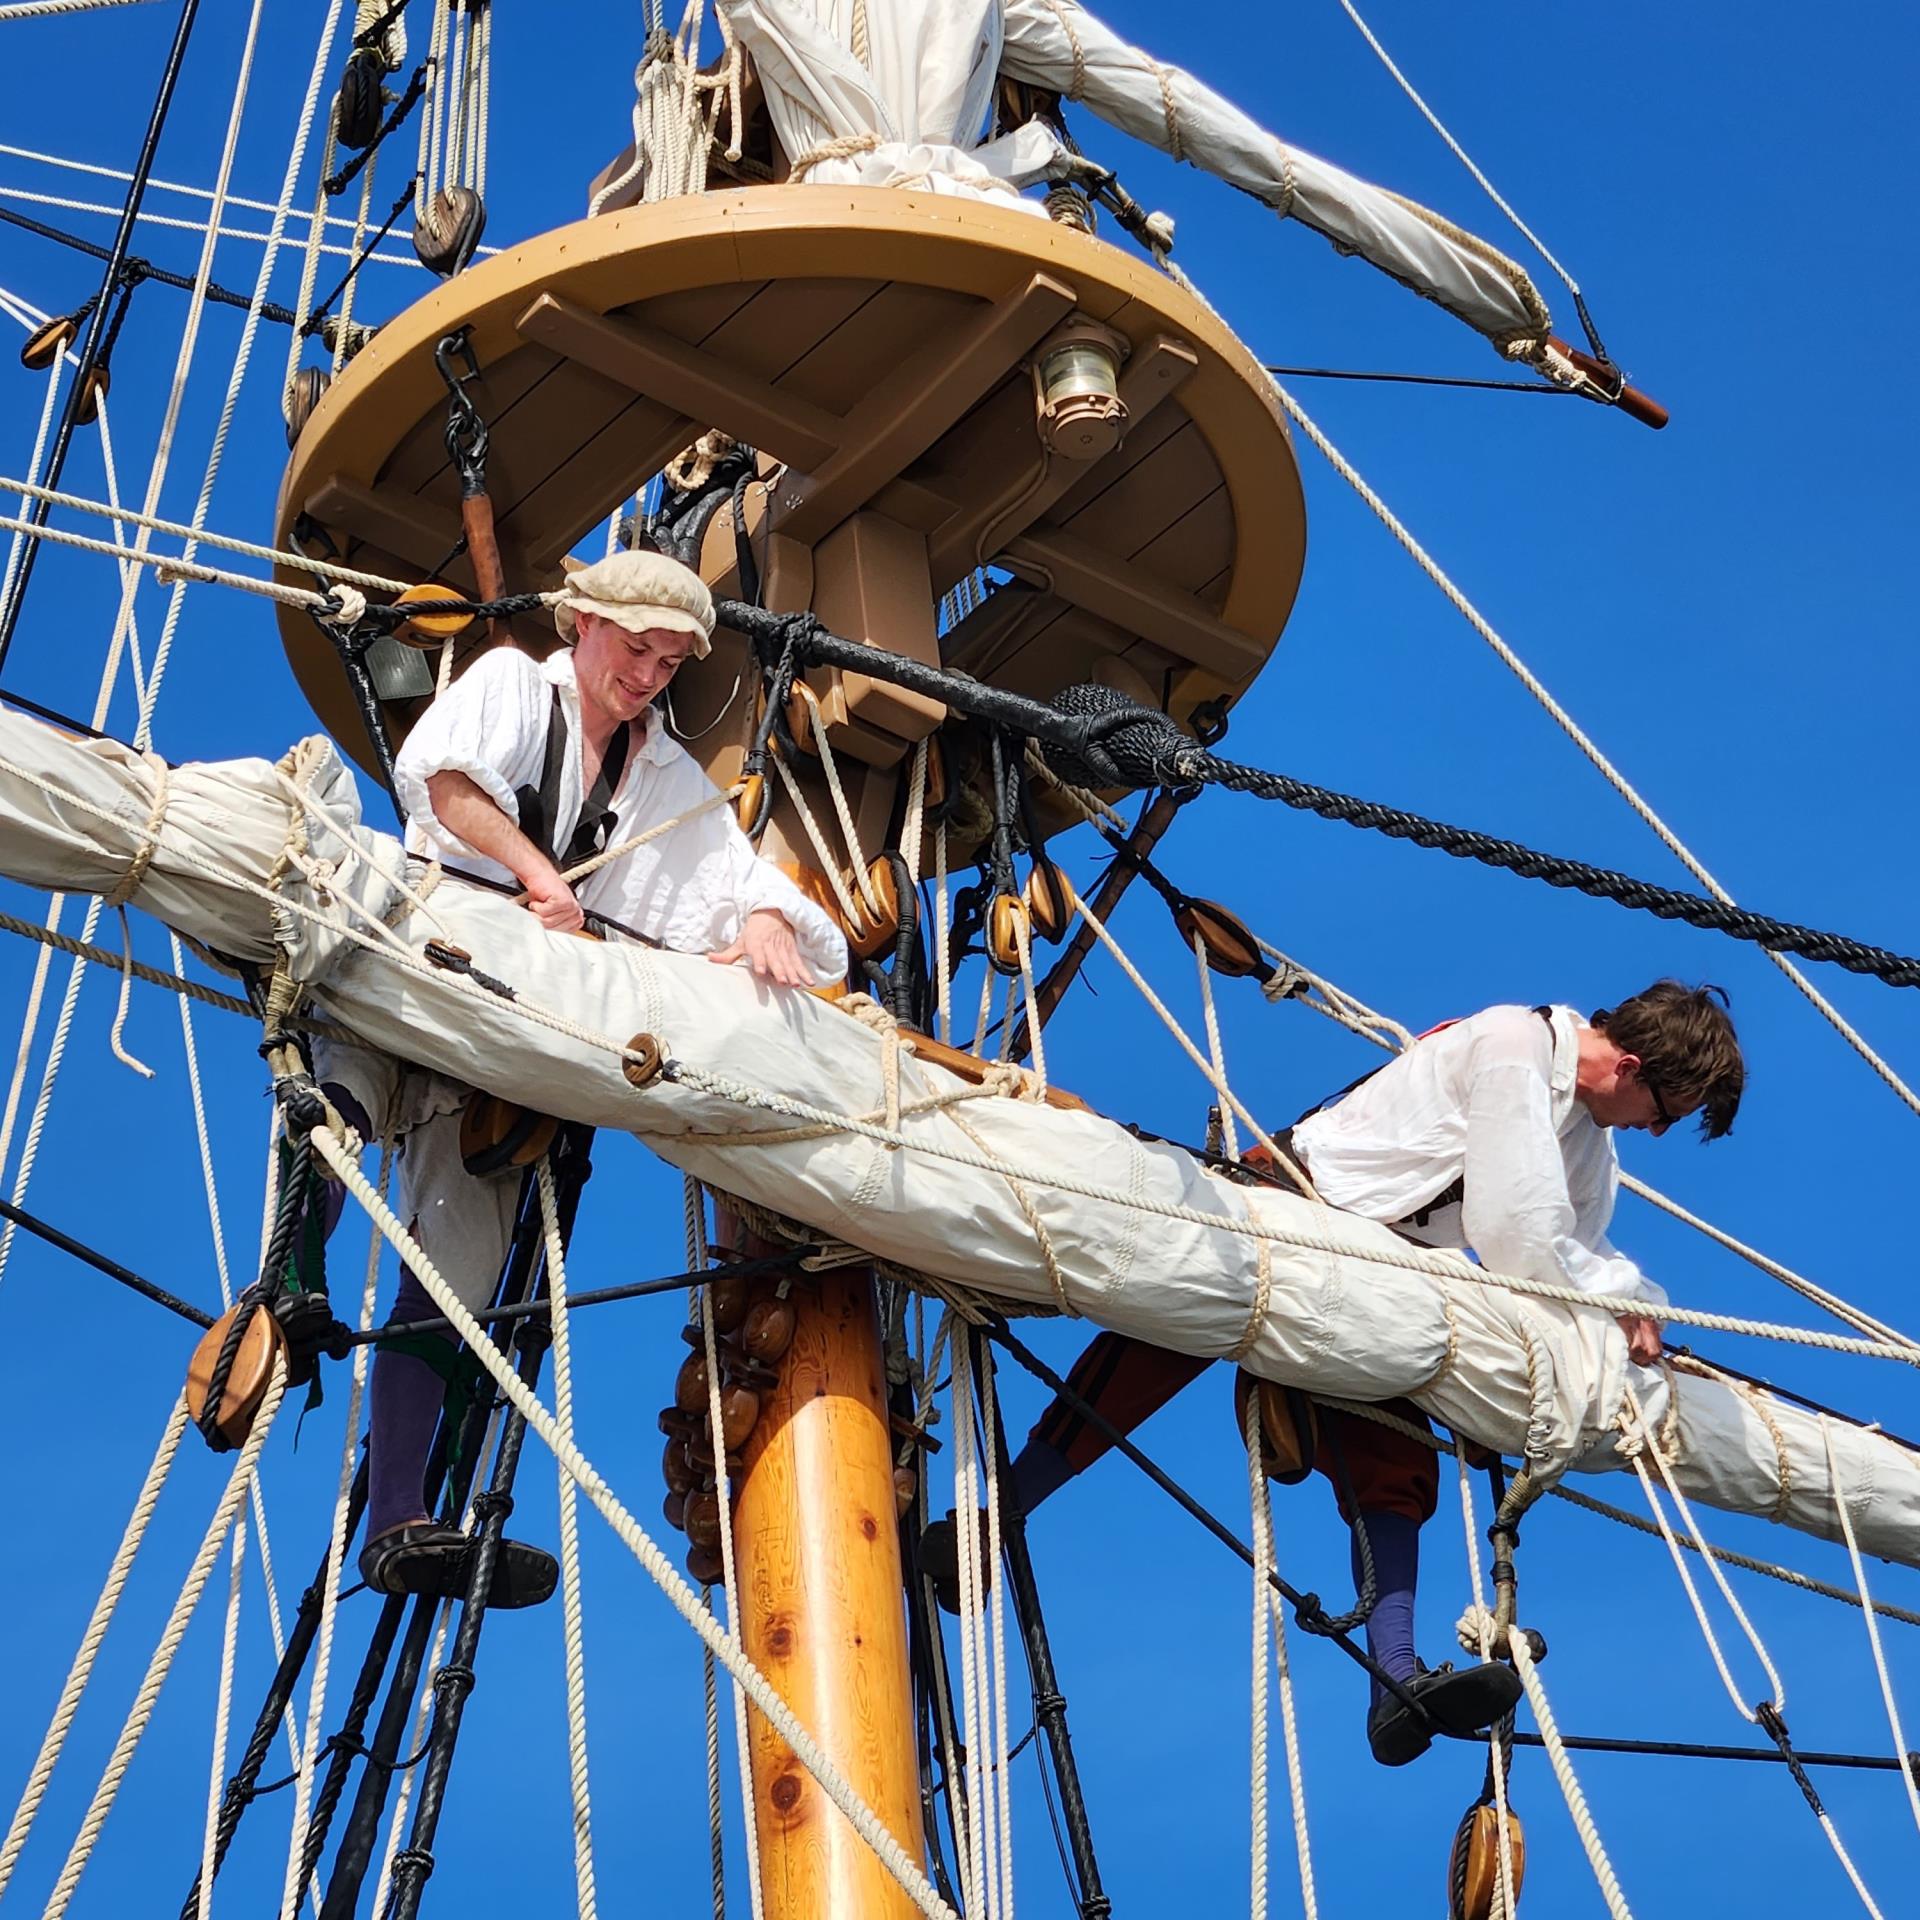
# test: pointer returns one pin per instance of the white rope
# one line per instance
(41, 9)
(696, 1210)
(1036, 1039)
(830, 866)
(980, 1886)
(81, 1671)
(169, 1644)
(426, 166)
(1262, 1574)
(913, 826)
(1229, 1135)
(170, 567)
(156, 184)
(1521, 1655)
(336, 1559)
(1633, 1422)
(943, 934)
(1480, 1641)
(222, 1716)
(1873, 1629)
(634, 1537)
(343, 330)
(1459, 152)
(17, 545)
(570, 1603)
(830, 766)
(997, 1698)
(175, 223)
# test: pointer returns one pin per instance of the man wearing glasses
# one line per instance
(1494, 1134)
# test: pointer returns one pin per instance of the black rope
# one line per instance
(221, 296)
(317, 318)
(101, 1264)
(336, 184)
(1542, 387)
(1694, 1750)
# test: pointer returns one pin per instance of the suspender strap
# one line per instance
(540, 805)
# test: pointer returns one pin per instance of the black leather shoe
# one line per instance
(1452, 1700)
(426, 1557)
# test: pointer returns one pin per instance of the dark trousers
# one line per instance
(1128, 1380)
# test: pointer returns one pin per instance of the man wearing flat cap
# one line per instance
(519, 773)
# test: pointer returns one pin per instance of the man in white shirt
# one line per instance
(1493, 1134)
(518, 773)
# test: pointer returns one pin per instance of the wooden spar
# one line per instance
(817, 1555)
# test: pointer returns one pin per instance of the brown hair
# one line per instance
(1687, 1047)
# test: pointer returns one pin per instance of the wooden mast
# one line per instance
(817, 1555)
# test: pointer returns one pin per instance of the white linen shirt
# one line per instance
(1489, 1100)
(690, 890)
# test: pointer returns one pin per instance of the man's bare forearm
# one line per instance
(464, 809)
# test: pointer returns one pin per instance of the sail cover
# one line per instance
(914, 111)
(995, 1192)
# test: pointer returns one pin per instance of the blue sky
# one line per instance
(1725, 606)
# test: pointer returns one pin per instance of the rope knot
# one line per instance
(1479, 1632)
(345, 607)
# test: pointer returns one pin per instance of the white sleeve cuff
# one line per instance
(823, 948)
(411, 779)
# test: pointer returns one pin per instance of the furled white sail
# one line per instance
(998, 1193)
(913, 112)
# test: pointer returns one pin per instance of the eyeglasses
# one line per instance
(1666, 1119)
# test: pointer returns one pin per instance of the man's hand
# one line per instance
(767, 945)
(1643, 1338)
(550, 900)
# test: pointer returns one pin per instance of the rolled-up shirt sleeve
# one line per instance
(1519, 1215)
(756, 885)
(490, 725)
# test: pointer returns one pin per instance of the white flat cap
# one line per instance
(642, 592)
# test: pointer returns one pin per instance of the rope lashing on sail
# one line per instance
(634, 1537)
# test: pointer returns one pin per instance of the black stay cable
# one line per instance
(219, 295)
(1541, 387)
(82, 387)
(101, 1264)
(1095, 736)
(317, 318)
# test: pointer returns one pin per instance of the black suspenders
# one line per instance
(540, 805)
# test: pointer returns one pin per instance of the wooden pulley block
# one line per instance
(674, 1510)
(906, 1484)
(497, 1136)
(748, 802)
(690, 1385)
(800, 720)
(247, 1379)
(675, 1424)
(702, 1519)
(704, 1566)
(1230, 948)
(1289, 1427)
(729, 1295)
(446, 234)
(870, 933)
(430, 630)
(1004, 920)
(1473, 1884)
(304, 392)
(739, 1409)
(677, 1468)
(700, 1452)
(642, 1065)
(356, 107)
(767, 1330)
(92, 391)
(47, 342)
(1045, 895)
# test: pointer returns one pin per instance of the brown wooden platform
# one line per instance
(876, 342)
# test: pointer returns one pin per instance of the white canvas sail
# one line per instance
(914, 110)
(1003, 1195)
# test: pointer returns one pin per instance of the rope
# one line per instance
(570, 1607)
(980, 1886)
(1873, 1630)
(1520, 1652)
(942, 935)
(634, 1537)
(81, 1671)
(169, 1643)
(1640, 1439)
(830, 766)
(1262, 1574)
(1480, 1641)
(330, 1592)
(1458, 151)
(697, 1257)
(41, 9)
(222, 1716)
(1229, 1136)
(105, 957)
(1002, 1760)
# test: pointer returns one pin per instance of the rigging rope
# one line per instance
(222, 1717)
